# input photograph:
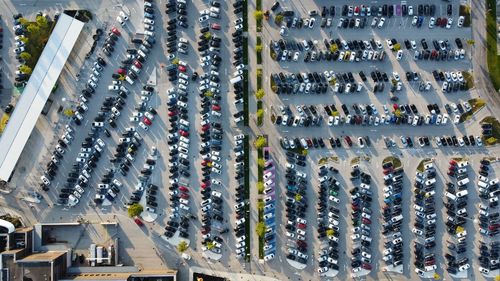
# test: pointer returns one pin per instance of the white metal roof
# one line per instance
(37, 91)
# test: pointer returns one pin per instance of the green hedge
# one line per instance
(491, 44)
(246, 159)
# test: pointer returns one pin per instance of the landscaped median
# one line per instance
(260, 143)
(491, 130)
(245, 62)
(246, 159)
(476, 105)
(259, 94)
(491, 43)
(464, 11)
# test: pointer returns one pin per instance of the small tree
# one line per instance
(260, 187)
(298, 197)
(209, 94)
(260, 228)
(25, 55)
(68, 112)
(25, 69)
(175, 61)
(260, 94)
(135, 210)
(259, 72)
(258, 14)
(260, 142)
(24, 39)
(24, 21)
(396, 47)
(330, 232)
(33, 28)
(210, 245)
(261, 162)
(471, 42)
(260, 113)
(259, 48)
(42, 21)
(334, 48)
(278, 19)
(182, 247)
(207, 35)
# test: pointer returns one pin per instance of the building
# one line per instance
(37, 91)
(22, 259)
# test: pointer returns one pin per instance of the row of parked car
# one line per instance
(240, 207)
(425, 220)
(392, 213)
(456, 209)
(361, 220)
(296, 206)
(328, 215)
(269, 177)
(178, 139)
(489, 226)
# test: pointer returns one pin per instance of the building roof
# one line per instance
(37, 91)
(8, 225)
(42, 257)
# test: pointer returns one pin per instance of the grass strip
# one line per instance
(258, 49)
(261, 238)
(246, 159)
(491, 44)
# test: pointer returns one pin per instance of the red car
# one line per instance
(138, 64)
(184, 196)
(122, 71)
(348, 140)
(451, 173)
(182, 68)
(215, 26)
(205, 162)
(204, 185)
(204, 231)
(115, 31)
(366, 266)
(205, 128)
(184, 133)
(367, 221)
(301, 243)
(147, 121)
(301, 226)
(172, 113)
(453, 162)
(395, 106)
(183, 188)
(138, 221)
(216, 107)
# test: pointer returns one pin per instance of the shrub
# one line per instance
(334, 48)
(260, 228)
(260, 142)
(182, 247)
(278, 19)
(260, 94)
(260, 186)
(135, 210)
(259, 48)
(259, 15)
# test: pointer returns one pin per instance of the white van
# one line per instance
(483, 184)
(430, 182)
(236, 79)
(462, 193)
(463, 182)
(397, 218)
(451, 196)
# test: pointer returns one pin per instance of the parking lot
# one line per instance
(186, 155)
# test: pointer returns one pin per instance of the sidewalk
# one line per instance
(229, 275)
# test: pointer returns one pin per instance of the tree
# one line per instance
(260, 228)
(278, 19)
(25, 55)
(298, 197)
(175, 61)
(210, 245)
(209, 94)
(259, 72)
(42, 21)
(207, 35)
(330, 232)
(68, 112)
(396, 47)
(397, 112)
(260, 187)
(261, 162)
(33, 28)
(24, 21)
(334, 48)
(258, 14)
(135, 210)
(24, 39)
(471, 42)
(260, 113)
(260, 94)
(259, 48)
(260, 142)
(182, 247)
(25, 69)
